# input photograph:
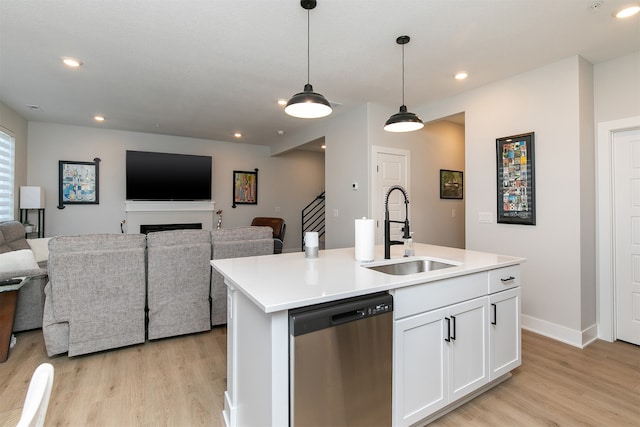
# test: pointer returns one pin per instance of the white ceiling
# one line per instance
(209, 68)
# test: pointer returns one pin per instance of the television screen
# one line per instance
(165, 176)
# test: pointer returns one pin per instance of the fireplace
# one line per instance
(171, 214)
(148, 228)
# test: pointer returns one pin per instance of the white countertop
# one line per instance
(286, 281)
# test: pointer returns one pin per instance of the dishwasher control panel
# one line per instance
(379, 309)
(313, 318)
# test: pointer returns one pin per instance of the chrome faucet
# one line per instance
(387, 222)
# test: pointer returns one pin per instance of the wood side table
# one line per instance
(8, 301)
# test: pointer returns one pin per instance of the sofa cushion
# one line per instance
(12, 236)
(40, 248)
(17, 261)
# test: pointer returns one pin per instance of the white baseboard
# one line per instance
(561, 333)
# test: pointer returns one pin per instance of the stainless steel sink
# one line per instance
(410, 267)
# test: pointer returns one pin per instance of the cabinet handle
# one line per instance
(453, 336)
(495, 314)
(508, 279)
(448, 338)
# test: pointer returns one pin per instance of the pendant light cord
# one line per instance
(403, 74)
(308, 42)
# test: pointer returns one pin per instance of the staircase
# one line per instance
(313, 219)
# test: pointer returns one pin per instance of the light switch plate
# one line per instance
(485, 217)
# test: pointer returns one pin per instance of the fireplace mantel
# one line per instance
(140, 206)
(151, 212)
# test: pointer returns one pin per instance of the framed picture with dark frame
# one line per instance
(78, 183)
(516, 179)
(245, 188)
(451, 184)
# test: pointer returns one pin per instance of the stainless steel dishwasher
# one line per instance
(341, 361)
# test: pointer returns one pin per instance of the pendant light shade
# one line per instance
(308, 104)
(403, 120)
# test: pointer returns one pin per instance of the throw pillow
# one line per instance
(40, 248)
(17, 261)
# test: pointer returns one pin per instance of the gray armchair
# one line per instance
(178, 281)
(95, 298)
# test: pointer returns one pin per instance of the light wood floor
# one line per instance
(180, 382)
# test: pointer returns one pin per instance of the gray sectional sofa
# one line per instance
(31, 296)
(100, 285)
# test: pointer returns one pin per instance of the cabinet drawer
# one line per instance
(504, 278)
(428, 296)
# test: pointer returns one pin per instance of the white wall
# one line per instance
(49, 143)
(346, 161)
(545, 100)
(617, 88)
(16, 126)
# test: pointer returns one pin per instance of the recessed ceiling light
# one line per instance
(461, 75)
(280, 132)
(323, 146)
(628, 11)
(282, 102)
(98, 118)
(237, 135)
(33, 107)
(71, 62)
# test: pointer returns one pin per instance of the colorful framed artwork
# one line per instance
(451, 184)
(245, 188)
(516, 179)
(78, 183)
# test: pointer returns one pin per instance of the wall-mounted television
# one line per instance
(167, 176)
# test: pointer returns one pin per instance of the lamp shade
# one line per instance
(31, 197)
(308, 104)
(403, 121)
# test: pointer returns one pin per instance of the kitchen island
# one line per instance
(429, 378)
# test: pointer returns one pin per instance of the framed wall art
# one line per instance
(245, 188)
(516, 179)
(78, 183)
(451, 185)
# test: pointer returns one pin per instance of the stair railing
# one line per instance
(313, 217)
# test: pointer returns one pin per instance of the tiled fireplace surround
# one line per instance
(138, 213)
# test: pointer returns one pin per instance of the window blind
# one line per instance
(7, 162)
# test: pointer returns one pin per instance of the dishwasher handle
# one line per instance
(349, 316)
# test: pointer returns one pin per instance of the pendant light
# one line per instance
(403, 121)
(308, 104)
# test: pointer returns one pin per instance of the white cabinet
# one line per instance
(439, 356)
(504, 331)
(451, 338)
(468, 347)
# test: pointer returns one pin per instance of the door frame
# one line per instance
(373, 196)
(605, 244)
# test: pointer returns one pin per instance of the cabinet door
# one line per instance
(468, 355)
(420, 366)
(505, 345)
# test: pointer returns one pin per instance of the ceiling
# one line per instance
(210, 68)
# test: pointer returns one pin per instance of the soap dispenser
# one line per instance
(408, 246)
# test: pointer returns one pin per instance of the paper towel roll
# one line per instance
(365, 239)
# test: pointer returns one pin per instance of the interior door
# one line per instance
(391, 168)
(626, 147)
